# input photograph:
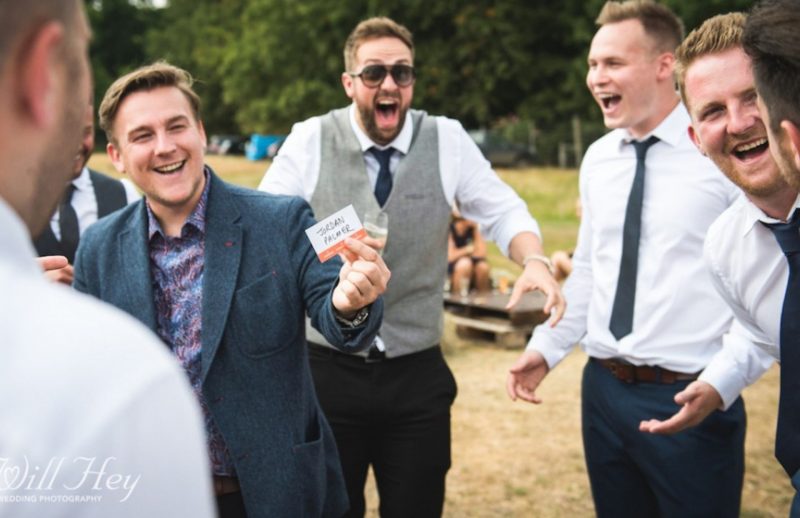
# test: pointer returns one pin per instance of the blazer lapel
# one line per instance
(221, 268)
(134, 278)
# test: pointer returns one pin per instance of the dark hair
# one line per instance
(772, 39)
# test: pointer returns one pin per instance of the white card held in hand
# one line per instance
(327, 236)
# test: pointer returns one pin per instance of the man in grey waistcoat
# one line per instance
(390, 406)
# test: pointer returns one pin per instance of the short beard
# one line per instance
(367, 114)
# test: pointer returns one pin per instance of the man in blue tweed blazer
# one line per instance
(225, 276)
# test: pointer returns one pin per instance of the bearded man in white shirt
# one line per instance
(391, 408)
(715, 77)
(654, 335)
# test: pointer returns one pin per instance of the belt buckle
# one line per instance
(623, 372)
(375, 355)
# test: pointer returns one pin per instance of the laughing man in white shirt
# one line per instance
(716, 81)
(748, 267)
(672, 339)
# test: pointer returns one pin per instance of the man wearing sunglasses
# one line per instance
(390, 407)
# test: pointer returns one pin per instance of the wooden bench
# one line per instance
(484, 316)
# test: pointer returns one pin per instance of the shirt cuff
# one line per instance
(725, 380)
(552, 353)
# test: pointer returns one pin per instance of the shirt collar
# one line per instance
(752, 214)
(83, 182)
(197, 218)
(15, 241)
(401, 143)
(671, 130)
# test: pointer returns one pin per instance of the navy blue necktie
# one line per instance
(787, 440)
(68, 225)
(621, 322)
(384, 184)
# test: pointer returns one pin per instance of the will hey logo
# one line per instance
(61, 479)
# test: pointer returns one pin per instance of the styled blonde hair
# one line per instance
(145, 78)
(659, 22)
(717, 34)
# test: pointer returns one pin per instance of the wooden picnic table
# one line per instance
(485, 315)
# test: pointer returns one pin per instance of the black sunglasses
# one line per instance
(373, 75)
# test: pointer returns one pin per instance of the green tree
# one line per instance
(197, 35)
(119, 31)
(264, 64)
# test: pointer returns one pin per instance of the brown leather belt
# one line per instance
(629, 373)
(225, 485)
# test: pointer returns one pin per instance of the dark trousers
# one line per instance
(231, 506)
(395, 416)
(697, 472)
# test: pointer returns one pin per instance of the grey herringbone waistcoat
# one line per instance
(416, 249)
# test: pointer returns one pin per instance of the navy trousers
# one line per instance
(697, 472)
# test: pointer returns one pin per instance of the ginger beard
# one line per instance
(384, 118)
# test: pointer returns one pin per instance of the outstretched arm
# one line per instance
(525, 376)
(697, 401)
(535, 276)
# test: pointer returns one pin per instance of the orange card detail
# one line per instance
(327, 237)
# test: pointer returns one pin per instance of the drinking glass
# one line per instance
(376, 223)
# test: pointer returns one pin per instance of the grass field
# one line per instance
(519, 460)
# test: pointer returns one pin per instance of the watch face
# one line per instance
(361, 316)
(357, 320)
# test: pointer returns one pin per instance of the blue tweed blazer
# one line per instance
(261, 276)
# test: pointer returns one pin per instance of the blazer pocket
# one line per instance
(260, 324)
(312, 471)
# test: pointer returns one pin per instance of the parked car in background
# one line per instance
(502, 152)
(227, 144)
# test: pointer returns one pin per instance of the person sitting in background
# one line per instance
(562, 259)
(562, 264)
(466, 256)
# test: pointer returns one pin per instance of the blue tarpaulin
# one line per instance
(259, 146)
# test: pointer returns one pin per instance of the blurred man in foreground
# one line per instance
(97, 419)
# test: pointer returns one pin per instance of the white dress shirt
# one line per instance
(679, 320)
(467, 177)
(749, 270)
(98, 419)
(84, 202)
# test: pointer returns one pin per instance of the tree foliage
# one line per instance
(262, 65)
